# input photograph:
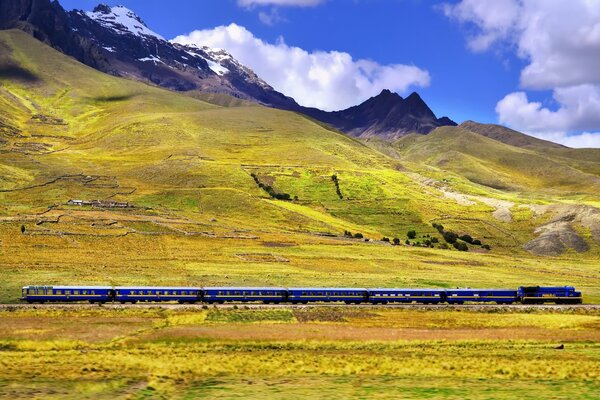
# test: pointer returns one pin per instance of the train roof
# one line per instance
(157, 288)
(242, 288)
(66, 287)
(481, 289)
(408, 289)
(325, 288)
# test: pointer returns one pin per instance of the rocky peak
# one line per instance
(102, 8)
(121, 20)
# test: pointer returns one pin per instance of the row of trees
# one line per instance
(459, 242)
(269, 189)
(336, 182)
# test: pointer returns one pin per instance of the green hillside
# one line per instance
(200, 192)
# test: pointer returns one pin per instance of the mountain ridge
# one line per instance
(117, 41)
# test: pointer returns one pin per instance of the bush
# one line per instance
(358, 235)
(435, 240)
(467, 238)
(385, 239)
(427, 242)
(396, 241)
(439, 227)
(477, 242)
(461, 246)
(22, 229)
(486, 246)
(407, 242)
(411, 234)
(444, 246)
(348, 233)
(450, 237)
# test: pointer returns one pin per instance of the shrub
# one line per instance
(396, 241)
(467, 238)
(486, 246)
(460, 246)
(444, 246)
(439, 227)
(347, 233)
(450, 237)
(411, 234)
(476, 242)
(358, 235)
(385, 239)
(407, 241)
(434, 240)
(427, 242)
(22, 229)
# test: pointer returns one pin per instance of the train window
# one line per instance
(93, 292)
(76, 292)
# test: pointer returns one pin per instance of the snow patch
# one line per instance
(112, 50)
(123, 21)
(154, 59)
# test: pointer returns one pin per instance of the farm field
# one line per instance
(325, 352)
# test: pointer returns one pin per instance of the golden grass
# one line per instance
(174, 353)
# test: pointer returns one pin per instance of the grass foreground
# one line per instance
(325, 352)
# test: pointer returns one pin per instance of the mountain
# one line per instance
(117, 41)
(542, 167)
(387, 116)
(509, 136)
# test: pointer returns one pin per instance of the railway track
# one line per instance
(257, 306)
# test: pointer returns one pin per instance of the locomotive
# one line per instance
(299, 295)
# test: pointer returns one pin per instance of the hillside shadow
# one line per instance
(114, 98)
(13, 72)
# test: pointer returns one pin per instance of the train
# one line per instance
(299, 295)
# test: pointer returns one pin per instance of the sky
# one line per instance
(532, 65)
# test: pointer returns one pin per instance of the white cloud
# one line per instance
(271, 18)
(560, 41)
(292, 3)
(329, 80)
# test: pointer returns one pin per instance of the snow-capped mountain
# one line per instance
(116, 41)
(121, 20)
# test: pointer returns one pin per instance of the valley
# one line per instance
(188, 173)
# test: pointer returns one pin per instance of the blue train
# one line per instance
(276, 295)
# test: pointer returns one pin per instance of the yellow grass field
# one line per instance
(326, 352)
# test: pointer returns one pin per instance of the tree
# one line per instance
(439, 227)
(358, 235)
(396, 241)
(411, 234)
(467, 238)
(407, 242)
(434, 240)
(385, 239)
(461, 246)
(347, 233)
(476, 242)
(486, 246)
(450, 237)
(22, 229)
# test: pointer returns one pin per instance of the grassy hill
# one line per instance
(200, 180)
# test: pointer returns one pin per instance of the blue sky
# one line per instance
(473, 58)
